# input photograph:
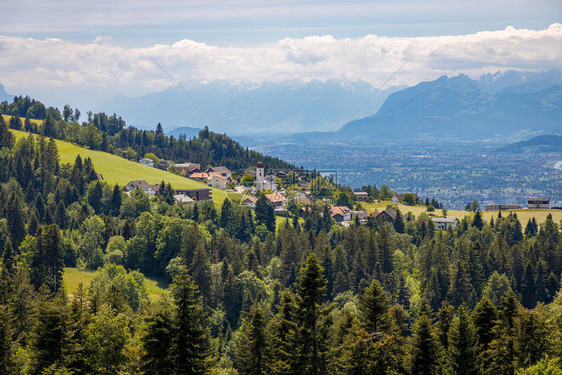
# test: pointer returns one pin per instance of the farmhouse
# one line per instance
(222, 170)
(444, 223)
(218, 182)
(198, 195)
(341, 213)
(277, 200)
(187, 168)
(150, 190)
(538, 203)
(250, 202)
(361, 195)
(183, 200)
(388, 215)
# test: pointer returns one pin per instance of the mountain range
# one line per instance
(4, 96)
(501, 107)
(251, 108)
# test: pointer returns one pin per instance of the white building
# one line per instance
(444, 223)
(146, 161)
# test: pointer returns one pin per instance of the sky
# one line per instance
(85, 52)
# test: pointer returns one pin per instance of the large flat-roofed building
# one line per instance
(538, 203)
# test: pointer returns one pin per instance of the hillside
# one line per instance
(118, 170)
(546, 143)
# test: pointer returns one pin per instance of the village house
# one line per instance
(340, 213)
(187, 168)
(218, 182)
(250, 202)
(198, 195)
(445, 223)
(150, 190)
(277, 200)
(269, 183)
(538, 203)
(362, 215)
(183, 200)
(388, 215)
(361, 195)
(146, 161)
(222, 170)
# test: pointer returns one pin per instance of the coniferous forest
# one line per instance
(247, 297)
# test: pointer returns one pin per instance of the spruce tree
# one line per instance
(157, 342)
(424, 359)
(462, 345)
(6, 137)
(48, 260)
(310, 351)
(6, 345)
(190, 345)
(374, 308)
(252, 348)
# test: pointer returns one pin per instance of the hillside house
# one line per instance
(538, 203)
(269, 183)
(445, 223)
(222, 170)
(146, 161)
(362, 215)
(198, 195)
(217, 181)
(388, 215)
(277, 200)
(149, 190)
(341, 213)
(187, 168)
(250, 202)
(361, 195)
(183, 200)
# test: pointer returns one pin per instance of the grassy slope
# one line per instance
(522, 215)
(74, 276)
(118, 170)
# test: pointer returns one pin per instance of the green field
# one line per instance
(118, 170)
(74, 276)
(523, 215)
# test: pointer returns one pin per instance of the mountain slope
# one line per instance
(118, 170)
(243, 108)
(547, 143)
(4, 96)
(457, 109)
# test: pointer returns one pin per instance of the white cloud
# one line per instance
(50, 68)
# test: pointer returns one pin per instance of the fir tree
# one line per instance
(424, 359)
(190, 345)
(462, 346)
(251, 351)
(374, 308)
(157, 342)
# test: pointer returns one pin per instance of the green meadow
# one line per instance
(118, 170)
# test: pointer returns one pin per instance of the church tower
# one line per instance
(260, 176)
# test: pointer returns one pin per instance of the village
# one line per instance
(290, 193)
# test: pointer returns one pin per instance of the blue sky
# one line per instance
(89, 51)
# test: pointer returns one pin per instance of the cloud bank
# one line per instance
(53, 68)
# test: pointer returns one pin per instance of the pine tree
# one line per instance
(252, 348)
(157, 342)
(51, 337)
(399, 223)
(477, 221)
(6, 344)
(95, 196)
(374, 308)
(48, 260)
(462, 345)
(116, 200)
(310, 339)
(15, 217)
(190, 345)
(424, 359)
(6, 137)
(484, 318)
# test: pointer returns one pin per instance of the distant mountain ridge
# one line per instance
(548, 142)
(458, 108)
(250, 108)
(4, 96)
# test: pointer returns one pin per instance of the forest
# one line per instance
(248, 297)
